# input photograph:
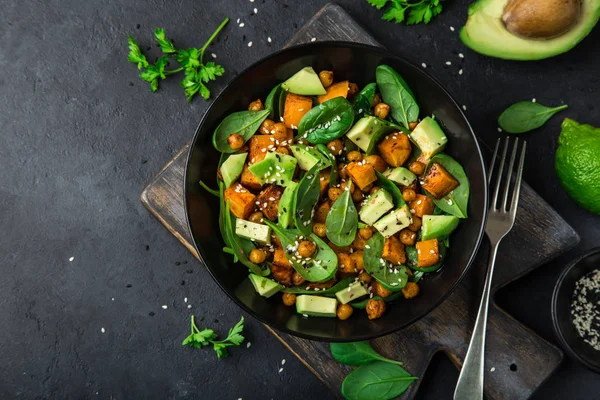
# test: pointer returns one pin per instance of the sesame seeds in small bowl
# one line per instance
(576, 309)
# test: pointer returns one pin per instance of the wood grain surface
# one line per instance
(517, 360)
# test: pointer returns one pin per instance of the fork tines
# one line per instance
(507, 176)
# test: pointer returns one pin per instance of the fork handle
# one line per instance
(470, 380)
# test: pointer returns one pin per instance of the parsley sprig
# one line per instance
(408, 11)
(202, 338)
(197, 73)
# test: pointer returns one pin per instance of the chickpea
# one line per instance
(306, 248)
(368, 188)
(365, 233)
(322, 211)
(374, 189)
(357, 258)
(412, 125)
(365, 278)
(337, 249)
(342, 171)
(334, 193)
(282, 150)
(348, 184)
(352, 89)
(408, 237)
(256, 105)
(326, 78)
(354, 156)
(336, 146)
(375, 308)
(416, 224)
(345, 264)
(236, 141)
(380, 290)
(357, 195)
(344, 311)
(319, 229)
(289, 299)
(279, 129)
(376, 99)
(417, 168)
(257, 256)
(297, 279)
(382, 110)
(256, 217)
(266, 127)
(377, 162)
(410, 290)
(359, 243)
(409, 194)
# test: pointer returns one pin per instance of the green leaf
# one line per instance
(135, 54)
(272, 101)
(165, 44)
(209, 72)
(378, 4)
(417, 14)
(208, 189)
(526, 116)
(396, 93)
(363, 102)
(327, 121)
(456, 202)
(333, 171)
(379, 380)
(393, 277)
(244, 123)
(305, 199)
(391, 188)
(357, 353)
(395, 15)
(235, 333)
(343, 284)
(189, 59)
(342, 221)
(153, 73)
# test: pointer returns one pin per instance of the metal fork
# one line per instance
(499, 222)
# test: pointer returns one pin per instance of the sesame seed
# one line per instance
(305, 315)
(249, 44)
(165, 307)
(185, 299)
(238, 21)
(460, 71)
(213, 55)
(464, 107)
(71, 259)
(492, 369)
(102, 330)
(248, 345)
(280, 370)
(255, 11)
(313, 39)
(448, 63)
(499, 129)
(269, 39)
(452, 28)
(533, 100)
(423, 65)
(113, 299)
(189, 306)
(283, 362)
(242, 25)
(461, 55)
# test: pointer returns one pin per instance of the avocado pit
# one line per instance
(541, 19)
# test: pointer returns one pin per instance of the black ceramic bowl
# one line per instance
(561, 310)
(356, 63)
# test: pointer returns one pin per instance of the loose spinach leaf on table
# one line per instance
(327, 121)
(391, 188)
(272, 101)
(357, 353)
(342, 221)
(455, 203)
(379, 380)
(343, 284)
(393, 277)
(363, 103)
(244, 123)
(305, 199)
(525, 116)
(396, 94)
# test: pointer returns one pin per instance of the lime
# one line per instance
(578, 163)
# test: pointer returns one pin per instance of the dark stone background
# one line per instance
(80, 137)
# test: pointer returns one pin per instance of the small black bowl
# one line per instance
(561, 310)
(356, 63)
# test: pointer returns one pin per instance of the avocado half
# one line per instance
(485, 33)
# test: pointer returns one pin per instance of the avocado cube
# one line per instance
(255, 232)
(438, 226)
(308, 156)
(285, 205)
(264, 286)
(316, 306)
(377, 205)
(401, 176)
(429, 137)
(352, 292)
(232, 168)
(394, 222)
(305, 82)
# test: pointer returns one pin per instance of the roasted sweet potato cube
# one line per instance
(362, 174)
(322, 285)
(395, 149)
(339, 89)
(258, 146)
(322, 211)
(337, 249)
(281, 269)
(421, 205)
(439, 182)
(410, 290)
(295, 108)
(248, 179)
(283, 138)
(324, 181)
(393, 251)
(241, 201)
(268, 201)
(428, 253)
(359, 243)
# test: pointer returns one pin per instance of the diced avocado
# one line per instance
(429, 137)
(438, 226)
(232, 168)
(250, 230)
(308, 156)
(367, 129)
(305, 82)
(394, 221)
(400, 175)
(274, 168)
(316, 306)
(377, 204)
(285, 205)
(264, 286)
(350, 293)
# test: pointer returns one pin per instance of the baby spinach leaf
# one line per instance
(454, 203)
(391, 188)
(362, 304)
(225, 232)
(327, 121)
(333, 172)
(357, 353)
(379, 380)
(393, 277)
(321, 267)
(272, 101)
(344, 283)
(282, 96)
(411, 258)
(342, 221)
(244, 123)
(363, 102)
(526, 116)
(305, 199)
(396, 94)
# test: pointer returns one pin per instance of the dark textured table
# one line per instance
(86, 271)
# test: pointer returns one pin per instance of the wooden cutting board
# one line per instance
(520, 359)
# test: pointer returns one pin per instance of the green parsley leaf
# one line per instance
(135, 54)
(394, 14)
(153, 72)
(193, 84)
(210, 71)
(201, 338)
(408, 11)
(189, 59)
(378, 4)
(165, 44)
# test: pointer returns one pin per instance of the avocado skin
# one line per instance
(485, 33)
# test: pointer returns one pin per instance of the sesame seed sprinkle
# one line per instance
(460, 71)
(165, 307)
(283, 362)
(533, 100)
(242, 25)
(269, 39)
(249, 44)
(423, 65)
(248, 345)
(461, 55)
(213, 55)
(313, 39)
(280, 370)
(464, 107)
(255, 11)
(102, 330)
(492, 369)
(71, 259)
(448, 62)
(452, 28)
(499, 129)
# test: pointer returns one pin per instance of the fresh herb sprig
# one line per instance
(197, 73)
(408, 11)
(202, 338)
